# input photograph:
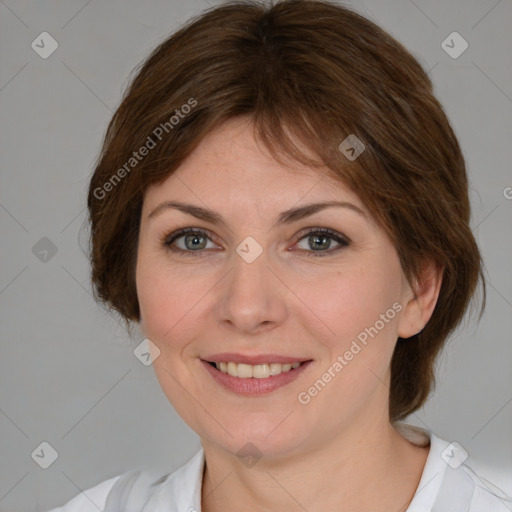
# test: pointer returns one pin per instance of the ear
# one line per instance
(420, 299)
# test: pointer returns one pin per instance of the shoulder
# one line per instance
(462, 484)
(449, 481)
(144, 489)
(90, 500)
(486, 496)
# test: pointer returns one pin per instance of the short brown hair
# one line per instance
(315, 72)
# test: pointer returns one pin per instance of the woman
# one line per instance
(282, 205)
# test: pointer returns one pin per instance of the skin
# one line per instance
(339, 451)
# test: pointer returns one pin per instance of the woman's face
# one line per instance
(252, 286)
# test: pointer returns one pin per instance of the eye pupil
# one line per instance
(194, 238)
(326, 240)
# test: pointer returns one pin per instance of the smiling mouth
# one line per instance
(257, 371)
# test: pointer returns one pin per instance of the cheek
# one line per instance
(159, 298)
(170, 299)
(359, 308)
(353, 299)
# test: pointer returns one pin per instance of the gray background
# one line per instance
(68, 374)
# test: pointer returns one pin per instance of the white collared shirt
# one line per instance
(447, 484)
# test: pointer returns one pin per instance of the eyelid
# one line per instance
(304, 231)
(316, 229)
(169, 238)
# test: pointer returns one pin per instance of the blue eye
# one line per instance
(192, 238)
(322, 237)
(195, 241)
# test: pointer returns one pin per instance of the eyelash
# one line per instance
(167, 240)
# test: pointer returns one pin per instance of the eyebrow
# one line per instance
(286, 217)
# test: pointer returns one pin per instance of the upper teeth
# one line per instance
(258, 371)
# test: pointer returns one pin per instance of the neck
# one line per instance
(368, 466)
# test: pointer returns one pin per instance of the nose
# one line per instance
(253, 296)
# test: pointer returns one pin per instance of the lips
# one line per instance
(254, 385)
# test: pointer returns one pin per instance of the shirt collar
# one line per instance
(182, 488)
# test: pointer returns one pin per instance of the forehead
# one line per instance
(231, 167)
